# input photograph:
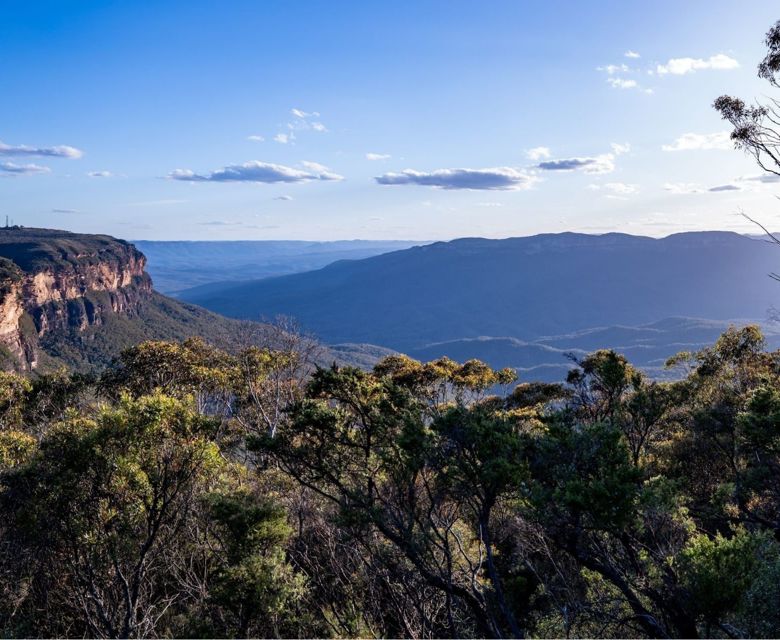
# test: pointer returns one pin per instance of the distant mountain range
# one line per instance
(523, 288)
(526, 302)
(176, 265)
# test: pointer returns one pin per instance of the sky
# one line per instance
(412, 120)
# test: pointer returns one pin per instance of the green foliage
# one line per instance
(718, 571)
(107, 492)
(194, 492)
(156, 318)
(177, 369)
(255, 591)
(16, 447)
(10, 274)
(248, 524)
(584, 472)
(13, 389)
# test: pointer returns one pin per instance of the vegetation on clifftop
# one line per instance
(37, 249)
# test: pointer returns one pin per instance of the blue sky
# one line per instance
(413, 120)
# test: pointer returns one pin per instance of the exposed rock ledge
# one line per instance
(46, 278)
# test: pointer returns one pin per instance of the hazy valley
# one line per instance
(526, 303)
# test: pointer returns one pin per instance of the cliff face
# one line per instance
(53, 281)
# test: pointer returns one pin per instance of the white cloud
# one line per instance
(604, 163)
(256, 138)
(682, 66)
(743, 183)
(378, 156)
(99, 174)
(612, 69)
(621, 188)
(617, 75)
(303, 121)
(490, 204)
(766, 178)
(61, 151)
(679, 188)
(498, 178)
(256, 171)
(284, 138)
(619, 149)
(299, 113)
(314, 166)
(700, 141)
(622, 83)
(12, 169)
(759, 182)
(283, 198)
(64, 211)
(538, 153)
(615, 188)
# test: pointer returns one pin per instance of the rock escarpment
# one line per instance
(56, 283)
(77, 301)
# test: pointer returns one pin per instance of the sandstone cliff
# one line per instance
(78, 301)
(58, 282)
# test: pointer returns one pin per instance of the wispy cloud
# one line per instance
(498, 178)
(683, 66)
(61, 151)
(622, 83)
(262, 226)
(316, 167)
(681, 188)
(100, 174)
(301, 121)
(300, 113)
(285, 198)
(13, 169)
(256, 171)
(700, 141)
(616, 188)
(538, 153)
(156, 203)
(617, 75)
(766, 178)
(64, 211)
(378, 156)
(604, 163)
(304, 120)
(220, 223)
(743, 183)
(612, 69)
(619, 149)
(631, 54)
